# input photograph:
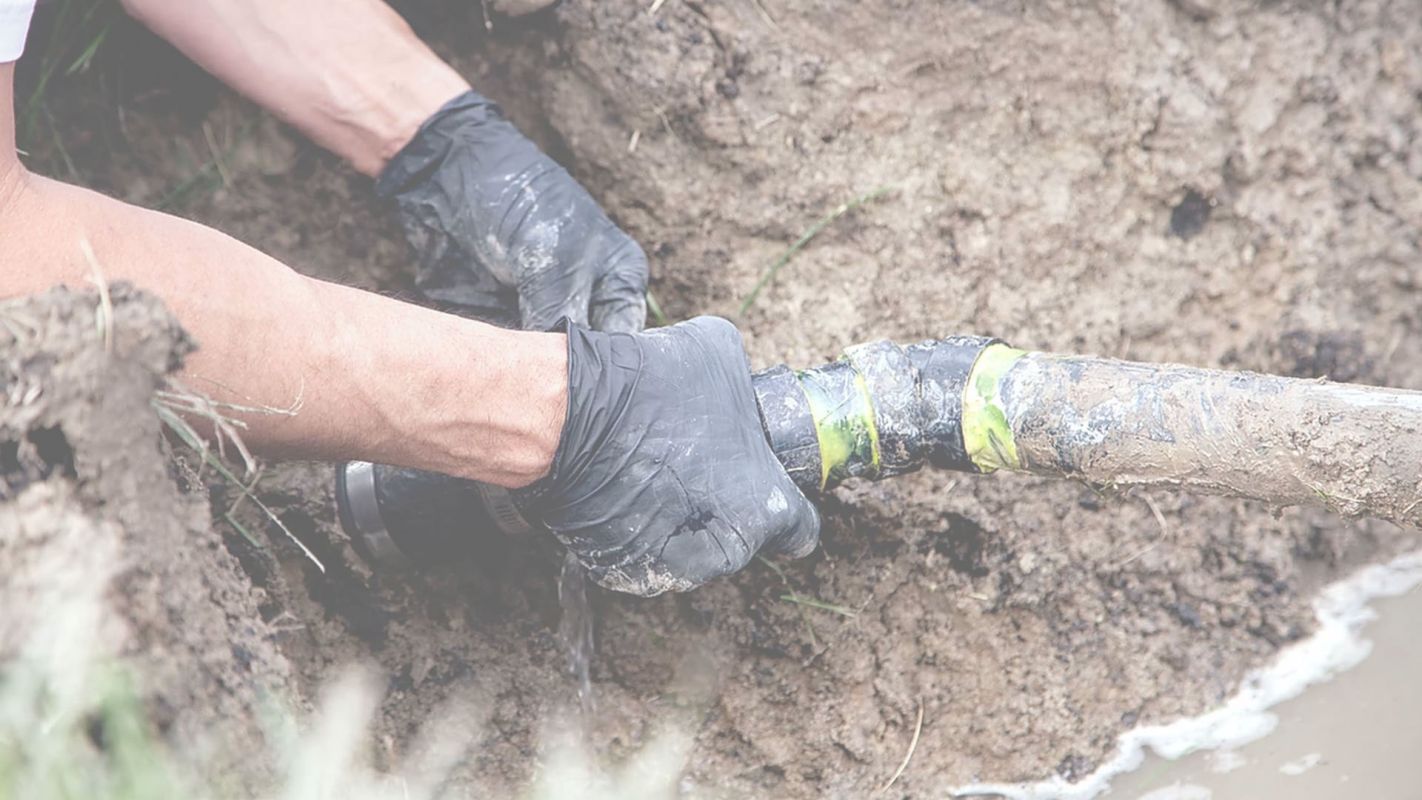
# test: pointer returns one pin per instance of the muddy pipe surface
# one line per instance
(1284, 441)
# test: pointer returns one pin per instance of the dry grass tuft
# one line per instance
(178, 404)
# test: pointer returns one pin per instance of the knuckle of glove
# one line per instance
(802, 533)
(717, 336)
(619, 298)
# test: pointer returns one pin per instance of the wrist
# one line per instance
(393, 114)
(442, 393)
(497, 408)
(372, 128)
(532, 409)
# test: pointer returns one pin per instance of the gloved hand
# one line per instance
(663, 478)
(497, 225)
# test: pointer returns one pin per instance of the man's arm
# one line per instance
(350, 74)
(377, 379)
(644, 453)
(499, 228)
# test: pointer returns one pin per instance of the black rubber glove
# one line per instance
(497, 224)
(663, 478)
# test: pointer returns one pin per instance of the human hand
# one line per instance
(663, 478)
(498, 225)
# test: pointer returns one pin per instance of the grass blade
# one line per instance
(655, 309)
(192, 439)
(806, 237)
(86, 58)
(820, 604)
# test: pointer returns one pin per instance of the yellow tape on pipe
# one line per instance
(987, 436)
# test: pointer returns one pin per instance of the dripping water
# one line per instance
(575, 629)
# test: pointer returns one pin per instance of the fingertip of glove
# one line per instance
(625, 316)
(802, 539)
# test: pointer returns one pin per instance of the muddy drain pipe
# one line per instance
(973, 404)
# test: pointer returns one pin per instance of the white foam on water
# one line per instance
(1302, 764)
(1336, 646)
(1223, 761)
(1179, 791)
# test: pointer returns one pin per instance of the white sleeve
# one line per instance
(14, 24)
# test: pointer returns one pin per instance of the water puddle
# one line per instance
(1352, 734)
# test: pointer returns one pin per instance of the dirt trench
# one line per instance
(1203, 181)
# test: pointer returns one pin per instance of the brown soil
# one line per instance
(1220, 183)
(88, 497)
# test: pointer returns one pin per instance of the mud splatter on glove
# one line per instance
(663, 478)
(496, 224)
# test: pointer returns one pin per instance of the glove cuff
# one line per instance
(428, 147)
(528, 498)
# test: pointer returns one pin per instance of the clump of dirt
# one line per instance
(1219, 183)
(89, 501)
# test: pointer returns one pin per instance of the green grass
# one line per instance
(803, 602)
(208, 176)
(95, 744)
(820, 604)
(76, 37)
(202, 181)
(805, 238)
(69, 48)
(655, 309)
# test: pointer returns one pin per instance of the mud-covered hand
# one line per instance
(663, 478)
(497, 225)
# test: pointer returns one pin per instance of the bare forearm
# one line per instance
(374, 378)
(350, 74)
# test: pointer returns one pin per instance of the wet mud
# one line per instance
(1223, 184)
